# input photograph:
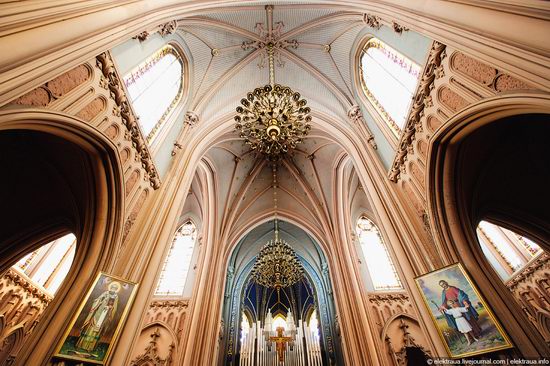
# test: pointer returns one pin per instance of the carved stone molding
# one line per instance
(191, 118)
(529, 271)
(378, 299)
(22, 304)
(372, 21)
(28, 286)
(168, 28)
(142, 36)
(151, 357)
(531, 288)
(355, 116)
(163, 29)
(399, 29)
(408, 342)
(179, 304)
(105, 63)
(421, 99)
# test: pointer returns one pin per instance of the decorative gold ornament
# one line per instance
(277, 265)
(273, 119)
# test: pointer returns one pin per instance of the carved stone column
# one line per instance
(190, 120)
(355, 116)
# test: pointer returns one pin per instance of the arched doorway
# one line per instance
(306, 308)
(62, 176)
(490, 162)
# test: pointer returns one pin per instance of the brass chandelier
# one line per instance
(273, 119)
(277, 265)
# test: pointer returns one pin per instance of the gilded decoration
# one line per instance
(272, 119)
(105, 63)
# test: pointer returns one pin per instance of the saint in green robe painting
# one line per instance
(99, 318)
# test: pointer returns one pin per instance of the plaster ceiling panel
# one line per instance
(359, 202)
(215, 37)
(261, 182)
(316, 93)
(220, 65)
(341, 52)
(227, 98)
(318, 171)
(326, 158)
(224, 162)
(234, 143)
(322, 61)
(293, 17)
(242, 19)
(192, 204)
(243, 174)
(291, 183)
(326, 33)
(265, 204)
(300, 241)
(201, 58)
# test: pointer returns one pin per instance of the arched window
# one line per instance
(389, 81)
(155, 87)
(381, 269)
(177, 263)
(313, 325)
(48, 266)
(279, 321)
(507, 251)
(245, 327)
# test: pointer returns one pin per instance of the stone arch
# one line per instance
(83, 160)
(156, 344)
(462, 191)
(399, 340)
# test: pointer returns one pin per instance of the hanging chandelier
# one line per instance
(277, 265)
(273, 119)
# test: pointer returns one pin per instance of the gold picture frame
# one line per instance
(465, 323)
(95, 327)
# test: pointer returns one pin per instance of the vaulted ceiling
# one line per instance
(314, 58)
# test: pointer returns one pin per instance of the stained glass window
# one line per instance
(380, 266)
(49, 265)
(155, 87)
(389, 81)
(176, 266)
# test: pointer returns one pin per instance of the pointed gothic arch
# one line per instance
(90, 204)
(463, 194)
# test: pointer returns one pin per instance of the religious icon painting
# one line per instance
(461, 316)
(94, 329)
